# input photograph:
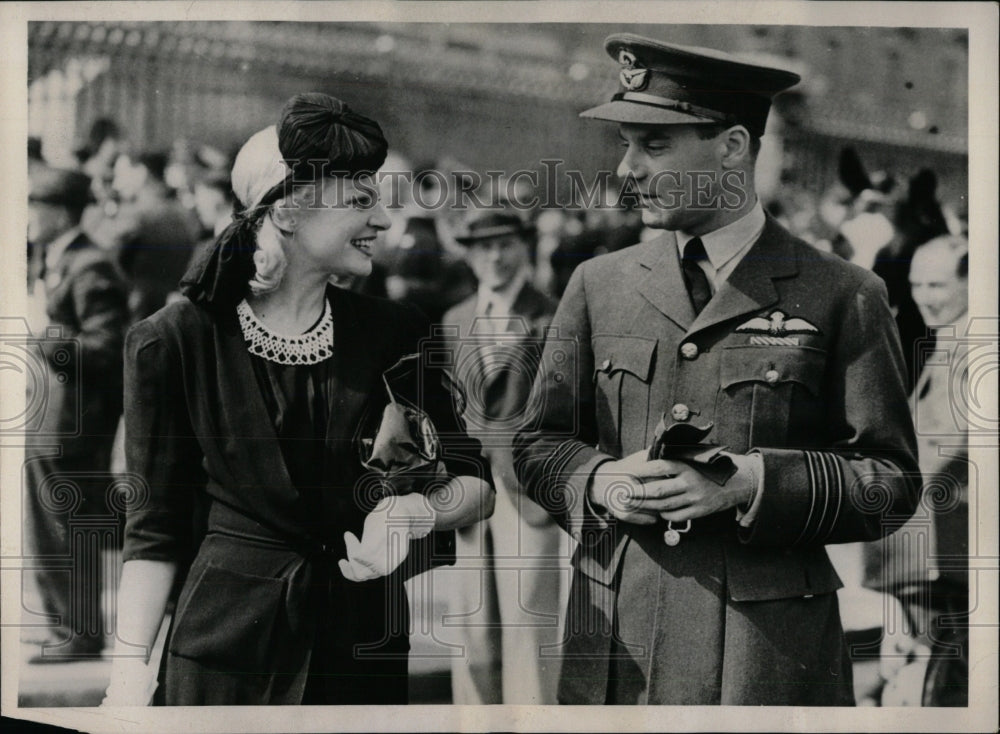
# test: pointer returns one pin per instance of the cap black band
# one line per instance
(673, 104)
(727, 106)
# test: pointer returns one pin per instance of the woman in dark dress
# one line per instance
(244, 405)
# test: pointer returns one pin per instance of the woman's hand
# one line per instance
(385, 541)
(142, 599)
(132, 683)
(395, 521)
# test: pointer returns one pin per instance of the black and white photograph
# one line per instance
(499, 366)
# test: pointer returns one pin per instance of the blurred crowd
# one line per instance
(148, 213)
(153, 208)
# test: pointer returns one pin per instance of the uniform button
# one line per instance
(689, 350)
(771, 376)
(680, 412)
(605, 364)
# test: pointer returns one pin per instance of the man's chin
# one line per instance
(498, 284)
(656, 219)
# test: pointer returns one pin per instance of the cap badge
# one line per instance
(631, 78)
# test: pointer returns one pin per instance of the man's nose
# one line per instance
(631, 164)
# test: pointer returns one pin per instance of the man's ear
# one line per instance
(735, 147)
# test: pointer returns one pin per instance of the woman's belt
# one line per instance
(434, 550)
(228, 520)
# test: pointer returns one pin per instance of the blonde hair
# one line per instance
(269, 258)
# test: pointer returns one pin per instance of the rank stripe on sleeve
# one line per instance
(813, 481)
(838, 486)
(826, 482)
(555, 464)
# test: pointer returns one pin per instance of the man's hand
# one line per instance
(385, 542)
(640, 491)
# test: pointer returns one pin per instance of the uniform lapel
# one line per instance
(750, 288)
(661, 282)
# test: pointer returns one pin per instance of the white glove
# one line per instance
(385, 541)
(133, 683)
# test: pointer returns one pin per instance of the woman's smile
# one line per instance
(364, 244)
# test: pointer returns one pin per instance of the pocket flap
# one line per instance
(773, 365)
(767, 574)
(633, 354)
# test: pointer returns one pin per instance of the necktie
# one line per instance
(486, 328)
(694, 277)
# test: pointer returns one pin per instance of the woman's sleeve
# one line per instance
(161, 450)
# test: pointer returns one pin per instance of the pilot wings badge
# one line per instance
(775, 329)
(632, 79)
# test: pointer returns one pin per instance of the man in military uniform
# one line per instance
(768, 379)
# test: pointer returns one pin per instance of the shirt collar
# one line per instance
(725, 243)
(55, 249)
(956, 327)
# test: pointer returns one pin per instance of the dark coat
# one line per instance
(730, 615)
(74, 411)
(260, 591)
(155, 237)
(86, 303)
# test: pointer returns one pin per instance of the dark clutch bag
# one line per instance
(683, 442)
(405, 452)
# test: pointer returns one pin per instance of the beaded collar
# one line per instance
(312, 347)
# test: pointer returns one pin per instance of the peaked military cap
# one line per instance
(58, 186)
(668, 84)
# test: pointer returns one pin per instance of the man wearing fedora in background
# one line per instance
(78, 310)
(736, 402)
(507, 612)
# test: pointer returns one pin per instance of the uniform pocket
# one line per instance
(622, 369)
(767, 574)
(226, 619)
(770, 396)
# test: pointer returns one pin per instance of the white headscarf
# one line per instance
(258, 168)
